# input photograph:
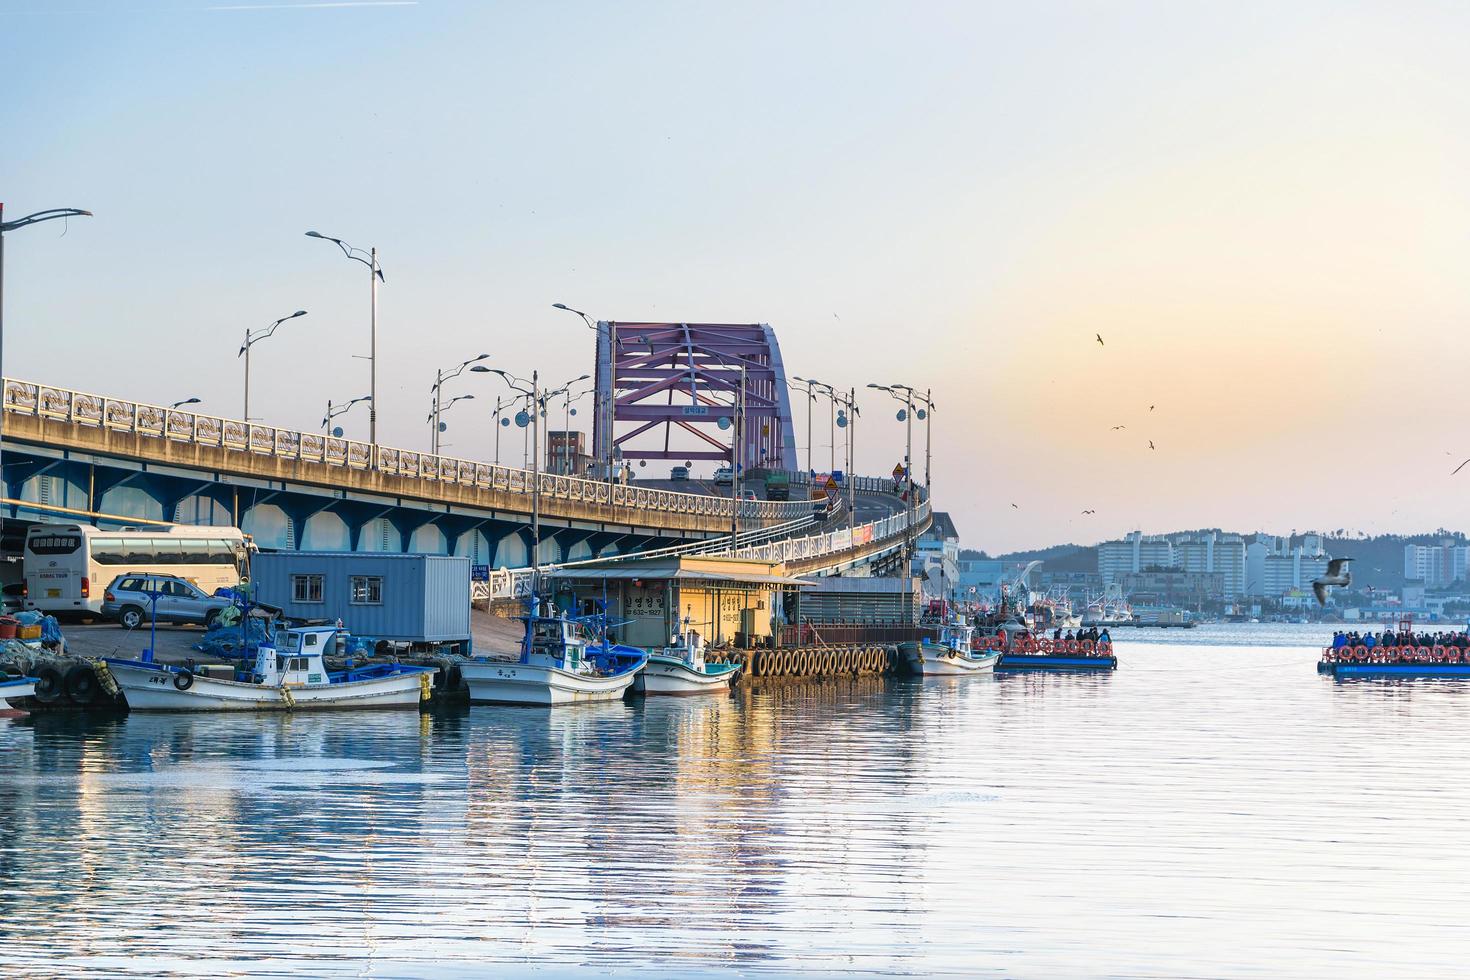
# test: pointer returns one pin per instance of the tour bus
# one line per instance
(68, 566)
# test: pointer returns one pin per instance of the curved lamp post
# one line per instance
(438, 413)
(335, 410)
(251, 339)
(439, 378)
(604, 407)
(375, 276)
(34, 218)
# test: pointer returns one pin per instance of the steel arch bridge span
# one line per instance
(667, 379)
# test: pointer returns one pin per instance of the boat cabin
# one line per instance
(557, 642)
(956, 635)
(688, 646)
(294, 658)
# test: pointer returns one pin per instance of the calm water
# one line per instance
(1213, 809)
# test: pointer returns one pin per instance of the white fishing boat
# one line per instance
(681, 669)
(952, 654)
(560, 663)
(13, 689)
(288, 675)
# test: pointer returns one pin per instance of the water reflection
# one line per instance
(1175, 817)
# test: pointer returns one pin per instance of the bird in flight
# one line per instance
(1150, 408)
(1099, 341)
(1337, 575)
(1017, 508)
(1089, 512)
(1150, 444)
(1459, 468)
(1117, 427)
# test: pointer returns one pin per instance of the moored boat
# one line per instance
(681, 669)
(288, 675)
(560, 663)
(953, 654)
(13, 690)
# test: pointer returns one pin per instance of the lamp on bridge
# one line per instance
(604, 407)
(439, 378)
(375, 276)
(30, 219)
(251, 339)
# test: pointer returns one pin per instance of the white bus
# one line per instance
(68, 566)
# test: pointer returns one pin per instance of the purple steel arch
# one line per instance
(685, 376)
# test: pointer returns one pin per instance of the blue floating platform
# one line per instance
(1013, 662)
(1341, 670)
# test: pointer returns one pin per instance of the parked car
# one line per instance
(724, 476)
(129, 599)
(13, 598)
(679, 473)
(748, 495)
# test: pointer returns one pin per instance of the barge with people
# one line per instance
(1401, 653)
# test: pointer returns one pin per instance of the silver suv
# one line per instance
(129, 600)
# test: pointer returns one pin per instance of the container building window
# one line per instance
(367, 590)
(306, 588)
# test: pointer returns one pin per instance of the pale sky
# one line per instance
(1263, 209)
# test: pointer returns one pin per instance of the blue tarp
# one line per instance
(232, 641)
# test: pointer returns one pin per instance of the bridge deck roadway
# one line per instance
(482, 487)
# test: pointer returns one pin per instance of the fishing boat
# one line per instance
(561, 662)
(288, 674)
(13, 690)
(681, 668)
(952, 654)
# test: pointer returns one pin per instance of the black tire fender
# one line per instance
(184, 680)
(81, 684)
(50, 684)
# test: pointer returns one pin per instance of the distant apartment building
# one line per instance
(1133, 554)
(1437, 566)
(1274, 569)
(1206, 553)
(1210, 552)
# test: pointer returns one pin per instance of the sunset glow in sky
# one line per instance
(1263, 209)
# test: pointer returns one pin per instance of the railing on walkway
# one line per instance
(819, 634)
(158, 422)
(507, 583)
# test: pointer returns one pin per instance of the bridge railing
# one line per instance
(232, 435)
(768, 544)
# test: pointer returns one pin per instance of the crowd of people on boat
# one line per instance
(1400, 638)
(1091, 633)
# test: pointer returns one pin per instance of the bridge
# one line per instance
(72, 455)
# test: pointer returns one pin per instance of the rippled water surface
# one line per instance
(1212, 809)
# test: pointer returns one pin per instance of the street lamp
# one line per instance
(567, 412)
(925, 414)
(439, 378)
(538, 405)
(908, 472)
(499, 421)
(438, 413)
(30, 219)
(334, 411)
(605, 406)
(375, 276)
(251, 339)
(849, 423)
(810, 400)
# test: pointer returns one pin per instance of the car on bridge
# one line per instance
(680, 473)
(724, 476)
(129, 600)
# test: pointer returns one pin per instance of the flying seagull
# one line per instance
(1017, 508)
(1150, 444)
(1459, 468)
(1089, 512)
(1099, 341)
(1150, 408)
(1117, 427)
(1337, 574)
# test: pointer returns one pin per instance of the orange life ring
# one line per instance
(1087, 648)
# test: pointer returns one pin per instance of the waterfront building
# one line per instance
(1209, 553)
(937, 555)
(1439, 566)
(1275, 568)
(1133, 554)
(566, 452)
(1172, 586)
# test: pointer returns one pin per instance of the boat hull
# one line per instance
(149, 688)
(936, 661)
(667, 675)
(14, 690)
(1342, 670)
(509, 682)
(1015, 662)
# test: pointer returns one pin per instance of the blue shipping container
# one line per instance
(408, 598)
